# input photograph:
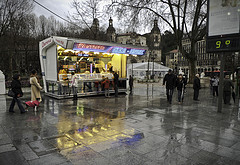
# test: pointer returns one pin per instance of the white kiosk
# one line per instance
(90, 60)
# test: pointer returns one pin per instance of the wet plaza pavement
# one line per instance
(139, 128)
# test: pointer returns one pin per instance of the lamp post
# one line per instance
(153, 58)
(150, 54)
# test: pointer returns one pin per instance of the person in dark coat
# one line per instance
(115, 80)
(215, 83)
(16, 88)
(131, 82)
(170, 81)
(180, 84)
(196, 87)
(227, 89)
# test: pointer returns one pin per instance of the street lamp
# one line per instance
(150, 54)
(153, 56)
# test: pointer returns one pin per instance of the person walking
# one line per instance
(196, 87)
(215, 83)
(131, 83)
(35, 87)
(170, 81)
(227, 85)
(106, 84)
(74, 85)
(180, 84)
(17, 90)
(115, 80)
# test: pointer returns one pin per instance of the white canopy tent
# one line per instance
(139, 70)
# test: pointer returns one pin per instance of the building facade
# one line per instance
(205, 61)
(151, 40)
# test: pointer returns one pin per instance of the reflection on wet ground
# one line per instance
(137, 128)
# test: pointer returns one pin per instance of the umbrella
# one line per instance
(233, 96)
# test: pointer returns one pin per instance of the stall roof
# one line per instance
(144, 66)
(86, 41)
(92, 45)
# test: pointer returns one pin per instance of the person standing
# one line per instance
(102, 84)
(180, 84)
(17, 90)
(115, 80)
(35, 87)
(131, 82)
(196, 87)
(227, 85)
(170, 80)
(215, 83)
(74, 85)
(106, 87)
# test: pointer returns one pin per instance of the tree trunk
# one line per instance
(192, 71)
(10, 64)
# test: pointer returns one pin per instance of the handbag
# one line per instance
(11, 93)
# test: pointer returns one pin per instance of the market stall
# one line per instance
(91, 62)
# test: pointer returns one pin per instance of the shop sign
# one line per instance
(61, 42)
(46, 42)
(107, 49)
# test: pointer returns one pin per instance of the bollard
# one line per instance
(2, 83)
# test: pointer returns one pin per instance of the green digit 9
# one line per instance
(227, 42)
(218, 43)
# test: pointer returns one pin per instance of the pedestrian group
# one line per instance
(170, 81)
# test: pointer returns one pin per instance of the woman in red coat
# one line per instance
(106, 84)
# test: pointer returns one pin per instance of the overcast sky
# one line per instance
(63, 7)
(60, 7)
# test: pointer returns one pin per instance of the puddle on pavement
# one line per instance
(84, 126)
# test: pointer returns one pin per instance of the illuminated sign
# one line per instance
(223, 44)
(107, 49)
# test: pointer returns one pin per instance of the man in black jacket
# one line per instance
(196, 87)
(115, 80)
(227, 89)
(16, 88)
(170, 80)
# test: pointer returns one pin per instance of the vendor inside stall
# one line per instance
(88, 66)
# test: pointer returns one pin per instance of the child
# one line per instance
(106, 84)
(33, 104)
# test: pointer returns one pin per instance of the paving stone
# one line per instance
(53, 159)
(12, 158)
(204, 157)
(6, 148)
(42, 147)
(4, 139)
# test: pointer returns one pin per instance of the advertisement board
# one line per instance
(107, 49)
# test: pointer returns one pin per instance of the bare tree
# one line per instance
(181, 16)
(12, 14)
(10, 10)
(85, 13)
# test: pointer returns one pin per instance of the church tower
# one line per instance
(111, 32)
(95, 29)
(155, 41)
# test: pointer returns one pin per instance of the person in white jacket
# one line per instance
(35, 87)
(74, 85)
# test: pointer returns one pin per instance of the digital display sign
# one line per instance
(107, 49)
(230, 44)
